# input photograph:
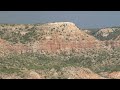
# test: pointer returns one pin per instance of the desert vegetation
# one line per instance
(58, 51)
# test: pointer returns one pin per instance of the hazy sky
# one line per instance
(83, 19)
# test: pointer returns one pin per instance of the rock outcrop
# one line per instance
(51, 37)
(104, 32)
(80, 73)
(64, 36)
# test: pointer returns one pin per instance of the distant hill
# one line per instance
(108, 33)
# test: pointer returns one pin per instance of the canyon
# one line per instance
(50, 49)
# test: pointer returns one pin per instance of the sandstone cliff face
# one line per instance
(62, 36)
(52, 37)
(95, 55)
(55, 37)
(7, 48)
